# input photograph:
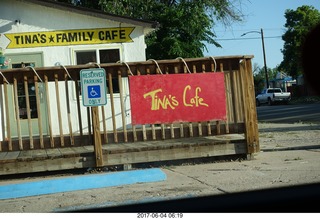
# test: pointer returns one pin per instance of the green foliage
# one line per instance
(298, 23)
(180, 33)
(185, 25)
(259, 77)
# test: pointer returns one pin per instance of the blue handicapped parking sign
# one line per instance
(94, 91)
(93, 87)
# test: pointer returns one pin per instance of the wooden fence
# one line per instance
(59, 121)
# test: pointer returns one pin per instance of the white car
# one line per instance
(273, 95)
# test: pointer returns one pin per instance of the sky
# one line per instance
(265, 14)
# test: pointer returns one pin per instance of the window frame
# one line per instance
(97, 50)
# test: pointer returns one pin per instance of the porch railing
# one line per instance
(62, 121)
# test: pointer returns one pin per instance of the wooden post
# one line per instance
(250, 111)
(97, 136)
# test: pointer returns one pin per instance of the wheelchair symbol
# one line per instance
(94, 91)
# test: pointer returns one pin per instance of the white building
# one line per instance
(47, 33)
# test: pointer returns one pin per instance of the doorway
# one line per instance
(27, 97)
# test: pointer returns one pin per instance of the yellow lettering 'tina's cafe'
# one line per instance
(69, 37)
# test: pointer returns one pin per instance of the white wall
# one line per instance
(35, 18)
(38, 18)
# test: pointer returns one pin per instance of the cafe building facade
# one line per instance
(37, 33)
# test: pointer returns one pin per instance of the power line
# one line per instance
(245, 30)
(248, 38)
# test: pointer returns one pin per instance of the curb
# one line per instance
(74, 183)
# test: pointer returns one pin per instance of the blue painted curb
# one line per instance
(92, 181)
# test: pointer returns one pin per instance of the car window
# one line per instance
(277, 91)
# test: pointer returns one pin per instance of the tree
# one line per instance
(259, 77)
(298, 23)
(185, 25)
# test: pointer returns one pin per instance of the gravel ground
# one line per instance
(289, 156)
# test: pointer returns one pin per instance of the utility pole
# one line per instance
(264, 54)
(264, 59)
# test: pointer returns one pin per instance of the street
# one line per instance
(308, 113)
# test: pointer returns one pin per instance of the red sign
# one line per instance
(170, 98)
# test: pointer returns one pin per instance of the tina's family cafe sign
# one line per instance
(69, 37)
(172, 98)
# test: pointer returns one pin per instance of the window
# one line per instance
(84, 57)
(109, 55)
(103, 56)
(22, 101)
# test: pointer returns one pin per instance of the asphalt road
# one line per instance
(289, 113)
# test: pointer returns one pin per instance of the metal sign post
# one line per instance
(93, 87)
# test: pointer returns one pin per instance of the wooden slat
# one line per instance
(48, 111)
(123, 113)
(83, 151)
(44, 165)
(39, 154)
(11, 156)
(228, 100)
(16, 105)
(68, 108)
(76, 83)
(114, 125)
(203, 66)
(8, 128)
(171, 125)
(89, 148)
(89, 123)
(59, 109)
(172, 143)
(53, 153)
(251, 121)
(25, 155)
(176, 71)
(36, 84)
(134, 131)
(144, 133)
(226, 82)
(193, 151)
(26, 91)
(172, 130)
(190, 123)
(194, 68)
(235, 94)
(147, 70)
(2, 155)
(104, 125)
(67, 152)
(163, 131)
(240, 97)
